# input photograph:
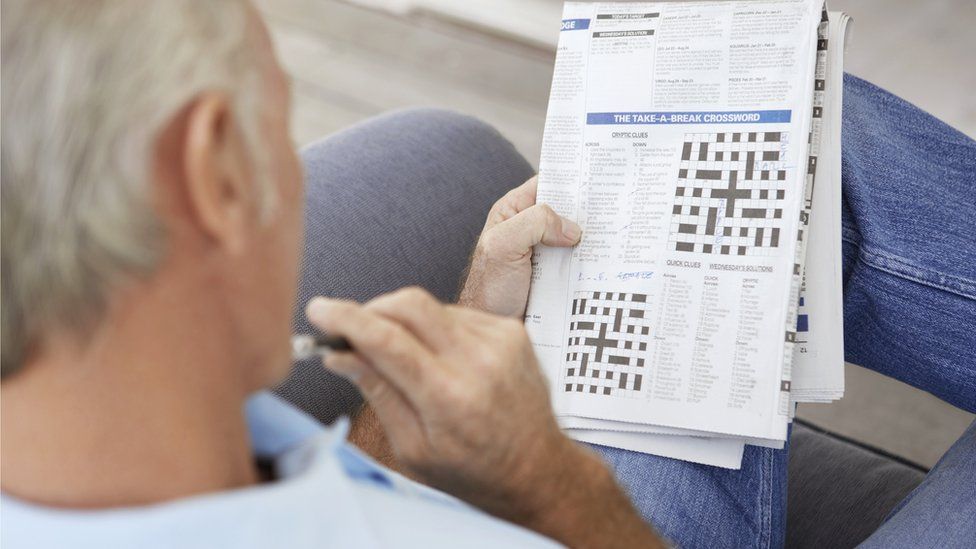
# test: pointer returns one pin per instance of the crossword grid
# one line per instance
(730, 193)
(609, 334)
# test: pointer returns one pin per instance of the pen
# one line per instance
(306, 346)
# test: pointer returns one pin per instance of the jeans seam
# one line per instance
(766, 504)
(901, 268)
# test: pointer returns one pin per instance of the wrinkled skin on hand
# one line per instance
(464, 403)
(501, 266)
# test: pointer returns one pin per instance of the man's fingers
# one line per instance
(547, 227)
(390, 348)
(398, 417)
(419, 312)
(539, 224)
(475, 323)
(516, 200)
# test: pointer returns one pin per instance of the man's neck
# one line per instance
(144, 411)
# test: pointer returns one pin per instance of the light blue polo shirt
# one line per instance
(328, 494)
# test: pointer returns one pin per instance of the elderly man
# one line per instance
(152, 232)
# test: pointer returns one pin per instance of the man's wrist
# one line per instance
(576, 500)
(473, 286)
(368, 435)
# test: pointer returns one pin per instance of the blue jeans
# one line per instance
(909, 245)
(401, 199)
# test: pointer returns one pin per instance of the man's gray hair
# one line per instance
(87, 87)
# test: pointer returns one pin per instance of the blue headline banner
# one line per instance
(575, 24)
(715, 117)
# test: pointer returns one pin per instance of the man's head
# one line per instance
(145, 148)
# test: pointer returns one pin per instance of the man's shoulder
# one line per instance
(328, 494)
(383, 508)
(420, 519)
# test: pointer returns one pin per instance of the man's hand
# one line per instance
(466, 409)
(498, 279)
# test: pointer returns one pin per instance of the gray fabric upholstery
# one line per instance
(400, 200)
(395, 201)
(840, 492)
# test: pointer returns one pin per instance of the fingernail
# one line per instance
(571, 230)
(316, 308)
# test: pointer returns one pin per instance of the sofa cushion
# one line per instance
(840, 491)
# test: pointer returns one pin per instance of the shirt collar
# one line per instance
(293, 440)
(277, 427)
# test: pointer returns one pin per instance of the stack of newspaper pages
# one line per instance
(698, 145)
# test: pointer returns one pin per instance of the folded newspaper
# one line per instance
(698, 145)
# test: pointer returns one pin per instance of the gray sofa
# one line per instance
(371, 228)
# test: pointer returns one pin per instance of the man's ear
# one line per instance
(214, 167)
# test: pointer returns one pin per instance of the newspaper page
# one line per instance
(818, 360)
(677, 136)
